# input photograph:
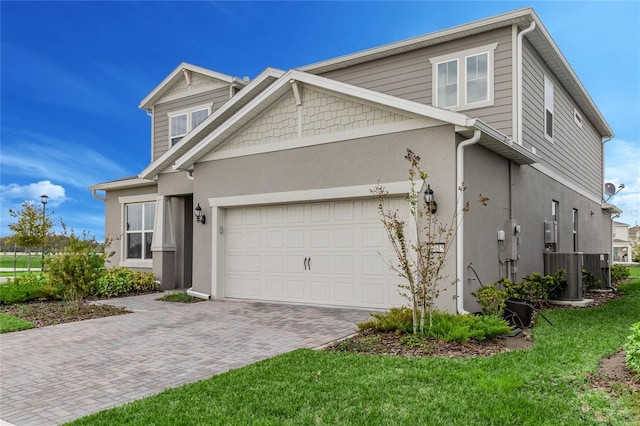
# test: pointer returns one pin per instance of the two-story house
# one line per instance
(622, 239)
(260, 189)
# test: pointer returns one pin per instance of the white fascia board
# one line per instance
(176, 75)
(323, 194)
(416, 42)
(400, 104)
(122, 184)
(164, 161)
(364, 95)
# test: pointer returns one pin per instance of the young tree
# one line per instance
(421, 261)
(31, 228)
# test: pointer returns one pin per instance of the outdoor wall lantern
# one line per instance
(430, 200)
(200, 218)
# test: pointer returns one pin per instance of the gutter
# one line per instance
(197, 294)
(460, 219)
(98, 197)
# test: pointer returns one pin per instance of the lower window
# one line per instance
(139, 230)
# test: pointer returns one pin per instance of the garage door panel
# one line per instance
(266, 248)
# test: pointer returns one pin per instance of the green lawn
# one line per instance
(10, 323)
(634, 271)
(20, 261)
(546, 385)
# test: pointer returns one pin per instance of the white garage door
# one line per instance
(329, 253)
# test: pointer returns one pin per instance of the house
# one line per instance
(260, 189)
(622, 239)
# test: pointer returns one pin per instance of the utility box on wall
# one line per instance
(572, 263)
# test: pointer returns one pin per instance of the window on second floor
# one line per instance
(182, 123)
(464, 79)
(548, 109)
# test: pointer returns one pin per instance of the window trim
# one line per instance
(189, 113)
(124, 201)
(461, 57)
(548, 107)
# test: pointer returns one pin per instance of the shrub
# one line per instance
(398, 320)
(461, 328)
(26, 287)
(76, 270)
(619, 273)
(535, 288)
(446, 327)
(491, 298)
(118, 281)
(632, 348)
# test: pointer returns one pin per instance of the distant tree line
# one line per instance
(53, 244)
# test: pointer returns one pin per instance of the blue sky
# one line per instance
(73, 75)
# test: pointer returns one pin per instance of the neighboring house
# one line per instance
(281, 168)
(634, 240)
(621, 242)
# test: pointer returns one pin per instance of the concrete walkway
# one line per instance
(56, 374)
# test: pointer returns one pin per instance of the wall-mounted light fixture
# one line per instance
(430, 200)
(200, 218)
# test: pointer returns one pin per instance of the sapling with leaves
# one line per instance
(421, 258)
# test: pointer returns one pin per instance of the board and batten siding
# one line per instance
(216, 98)
(576, 152)
(409, 75)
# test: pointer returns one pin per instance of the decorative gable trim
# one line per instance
(179, 74)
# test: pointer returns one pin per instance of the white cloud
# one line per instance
(14, 193)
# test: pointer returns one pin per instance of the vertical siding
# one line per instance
(408, 75)
(575, 153)
(215, 97)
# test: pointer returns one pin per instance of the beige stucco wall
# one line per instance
(362, 161)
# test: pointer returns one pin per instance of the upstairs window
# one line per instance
(548, 109)
(464, 80)
(182, 123)
(477, 78)
(448, 84)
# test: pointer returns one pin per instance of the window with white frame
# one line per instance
(139, 219)
(464, 80)
(548, 109)
(183, 122)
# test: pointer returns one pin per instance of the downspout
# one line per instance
(97, 197)
(521, 35)
(460, 220)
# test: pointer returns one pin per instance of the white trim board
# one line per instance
(339, 193)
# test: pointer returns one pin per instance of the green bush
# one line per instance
(619, 273)
(461, 328)
(491, 298)
(535, 288)
(26, 287)
(446, 327)
(398, 320)
(76, 270)
(118, 281)
(632, 348)
(589, 282)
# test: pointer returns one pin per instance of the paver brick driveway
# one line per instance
(58, 373)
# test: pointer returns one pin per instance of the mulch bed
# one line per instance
(47, 313)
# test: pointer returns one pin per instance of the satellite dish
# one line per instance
(609, 189)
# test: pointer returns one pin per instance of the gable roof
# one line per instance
(260, 83)
(539, 38)
(492, 138)
(176, 75)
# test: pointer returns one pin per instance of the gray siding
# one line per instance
(215, 97)
(576, 153)
(532, 195)
(409, 75)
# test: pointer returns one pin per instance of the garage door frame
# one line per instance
(220, 204)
